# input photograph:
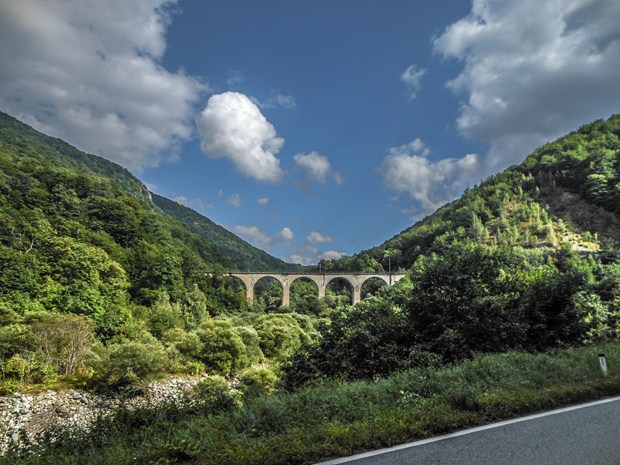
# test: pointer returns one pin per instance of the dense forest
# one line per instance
(527, 260)
(99, 282)
(102, 284)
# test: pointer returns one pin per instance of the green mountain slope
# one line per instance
(245, 256)
(19, 141)
(80, 234)
(566, 192)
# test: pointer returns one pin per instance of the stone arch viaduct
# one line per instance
(356, 280)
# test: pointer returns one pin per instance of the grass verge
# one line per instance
(341, 418)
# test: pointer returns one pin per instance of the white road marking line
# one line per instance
(465, 432)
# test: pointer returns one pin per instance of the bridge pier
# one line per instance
(286, 292)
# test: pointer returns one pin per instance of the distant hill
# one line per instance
(78, 232)
(245, 256)
(566, 193)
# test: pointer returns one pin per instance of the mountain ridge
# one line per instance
(248, 257)
(567, 191)
(15, 136)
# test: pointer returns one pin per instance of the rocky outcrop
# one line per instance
(24, 419)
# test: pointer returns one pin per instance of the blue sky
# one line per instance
(315, 128)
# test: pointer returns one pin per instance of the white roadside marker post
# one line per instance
(603, 362)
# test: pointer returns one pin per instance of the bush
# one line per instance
(215, 394)
(130, 365)
(280, 335)
(224, 351)
(258, 380)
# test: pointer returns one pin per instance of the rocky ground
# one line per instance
(25, 418)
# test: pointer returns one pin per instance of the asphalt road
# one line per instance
(587, 434)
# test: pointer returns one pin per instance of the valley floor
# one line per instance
(337, 418)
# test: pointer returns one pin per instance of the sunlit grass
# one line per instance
(340, 418)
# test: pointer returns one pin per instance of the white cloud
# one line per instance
(287, 102)
(234, 200)
(181, 199)
(310, 255)
(196, 204)
(254, 235)
(317, 238)
(299, 259)
(317, 167)
(232, 126)
(331, 255)
(412, 77)
(286, 234)
(533, 71)
(90, 72)
(431, 184)
(262, 201)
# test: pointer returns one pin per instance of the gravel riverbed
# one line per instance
(24, 419)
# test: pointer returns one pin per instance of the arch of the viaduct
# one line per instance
(356, 280)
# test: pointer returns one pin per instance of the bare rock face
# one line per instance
(24, 419)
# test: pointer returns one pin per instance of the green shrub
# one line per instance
(224, 351)
(9, 386)
(280, 335)
(258, 380)
(129, 365)
(215, 394)
(15, 368)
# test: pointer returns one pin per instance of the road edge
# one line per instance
(464, 432)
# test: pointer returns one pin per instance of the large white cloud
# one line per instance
(89, 72)
(430, 184)
(232, 126)
(533, 70)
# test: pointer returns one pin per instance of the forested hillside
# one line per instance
(85, 253)
(245, 256)
(98, 283)
(566, 192)
(528, 260)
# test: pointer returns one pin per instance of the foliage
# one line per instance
(215, 395)
(257, 380)
(567, 191)
(337, 418)
(467, 300)
(224, 351)
(91, 261)
(130, 365)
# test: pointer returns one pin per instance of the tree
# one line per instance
(280, 335)
(63, 340)
(466, 301)
(224, 351)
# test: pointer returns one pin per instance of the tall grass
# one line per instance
(340, 418)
